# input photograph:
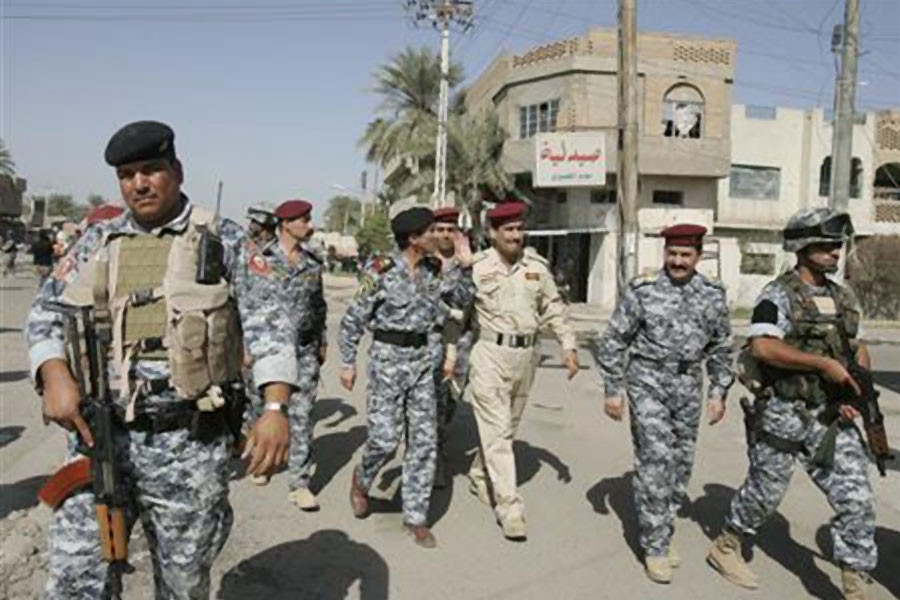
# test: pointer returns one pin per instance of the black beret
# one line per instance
(141, 140)
(412, 220)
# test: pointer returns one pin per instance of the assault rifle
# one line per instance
(99, 469)
(866, 403)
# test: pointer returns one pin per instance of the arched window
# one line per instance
(887, 182)
(856, 169)
(683, 112)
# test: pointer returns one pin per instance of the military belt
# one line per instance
(404, 339)
(511, 340)
(682, 367)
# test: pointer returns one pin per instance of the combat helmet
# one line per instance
(262, 215)
(816, 225)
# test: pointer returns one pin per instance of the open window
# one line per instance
(683, 112)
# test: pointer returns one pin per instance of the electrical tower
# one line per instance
(442, 14)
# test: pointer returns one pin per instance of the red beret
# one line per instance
(293, 209)
(685, 234)
(446, 214)
(507, 212)
(104, 212)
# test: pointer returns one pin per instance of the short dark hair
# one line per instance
(402, 239)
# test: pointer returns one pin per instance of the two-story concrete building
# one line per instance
(780, 163)
(684, 93)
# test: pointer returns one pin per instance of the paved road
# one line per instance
(574, 466)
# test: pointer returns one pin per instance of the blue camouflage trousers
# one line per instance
(299, 415)
(846, 486)
(401, 397)
(178, 489)
(665, 415)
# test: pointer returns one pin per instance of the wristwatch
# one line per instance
(279, 406)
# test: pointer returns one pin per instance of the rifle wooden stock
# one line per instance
(71, 478)
(113, 538)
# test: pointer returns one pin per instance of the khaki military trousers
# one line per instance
(500, 379)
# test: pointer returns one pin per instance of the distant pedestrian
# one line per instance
(43, 252)
(11, 251)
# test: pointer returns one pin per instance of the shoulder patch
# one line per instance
(258, 265)
(381, 264)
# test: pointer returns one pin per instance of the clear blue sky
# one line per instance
(272, 95)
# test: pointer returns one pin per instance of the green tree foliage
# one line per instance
(7, 166)
(375, 236)
(63, 205)
(342, 214)
(95, 200)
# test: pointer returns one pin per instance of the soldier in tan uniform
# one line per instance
(515, 297)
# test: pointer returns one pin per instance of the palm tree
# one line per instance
(475, 145)
(406, 124)
(7, 166)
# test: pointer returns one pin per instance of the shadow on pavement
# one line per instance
(20, 495)
(9, 329)
(325, 408)
(332, 452)
(325, 566)
(617, 493)
(888, 542)
(10, 434)
(11, 376)
(530, 458)
(887, 379)
(773, 538)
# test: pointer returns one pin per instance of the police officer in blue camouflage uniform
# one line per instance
(399, 299)
(298, 270)
(665, 325)
(803, 323)
(455, 256)
(175, 482)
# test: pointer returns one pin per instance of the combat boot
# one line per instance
(658, 569)
(359, 501)
(421, 535)
(854, 584)
(674, 559)
(514, 529)
(726, 558)
(304, 499)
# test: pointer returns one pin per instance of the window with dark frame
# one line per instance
(671, 197)
(538, 118)
(603, 196)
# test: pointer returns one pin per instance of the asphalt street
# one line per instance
(575, 472)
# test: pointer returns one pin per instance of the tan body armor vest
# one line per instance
(159, 312)
(819, 325)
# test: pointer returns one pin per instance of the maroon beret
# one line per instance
(507, 212)
(446, 214)
(685, 234)
(293, 209)
(104, 212)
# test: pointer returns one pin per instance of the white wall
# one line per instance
(778, 143)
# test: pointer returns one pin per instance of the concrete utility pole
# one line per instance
(845, 109)
(442, 13)
(627, 164)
